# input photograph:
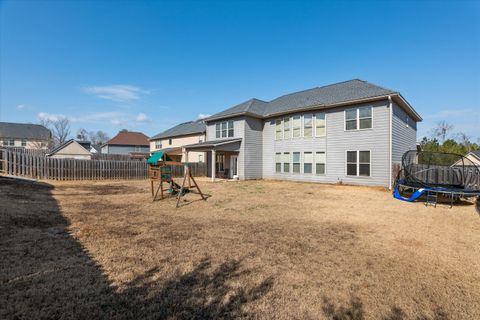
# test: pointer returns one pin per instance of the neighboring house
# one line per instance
(127, 142)
(26, 135)
(349, 132)
(70, 149)
(172, 141)
(93, 148)
(473, 156)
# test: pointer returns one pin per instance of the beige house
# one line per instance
(24, 135)
(70, 149)
(174, 139)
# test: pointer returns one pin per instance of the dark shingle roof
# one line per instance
(24, 131)
(476, 153)
(325, 96)
(182, 129)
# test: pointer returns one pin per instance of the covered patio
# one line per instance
(222, 157)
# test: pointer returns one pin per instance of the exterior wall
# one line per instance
(404, 133)
(335, 144)
(181, 141)
(73, 151)
(239, 128)
(114, 149)
(253, 148)
(31, 143)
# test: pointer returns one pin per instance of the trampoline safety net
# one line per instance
(439, 170)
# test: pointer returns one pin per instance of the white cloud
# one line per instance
(50, 117)
(21, 107)
(117, 92)
(203, 115)
(142, 117)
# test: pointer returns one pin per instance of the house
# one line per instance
(70, 149)
(127, 142)
(26, 135)
(92, 147)
(172, 141)
(472, 156)
(350, 132)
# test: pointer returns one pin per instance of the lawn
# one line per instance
(254, 249)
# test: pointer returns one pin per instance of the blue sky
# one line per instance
(149, 65)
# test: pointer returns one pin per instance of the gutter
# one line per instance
(390, 107)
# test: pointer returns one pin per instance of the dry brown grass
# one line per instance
(255, 249)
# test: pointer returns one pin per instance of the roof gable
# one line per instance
(129, 138)
(67, 144)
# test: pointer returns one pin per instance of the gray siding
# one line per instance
(336, 142)
(112, 149)
(253, 149)
(404, 133)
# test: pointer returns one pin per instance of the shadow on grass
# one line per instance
(45, 273)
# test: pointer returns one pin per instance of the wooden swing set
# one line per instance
(161, 171)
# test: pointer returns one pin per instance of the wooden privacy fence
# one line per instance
(41, 167)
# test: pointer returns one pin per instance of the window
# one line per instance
(11, 142)
(297, 123)
(307, 125)
(5, 142)
(358, 163)
(224, 129)
(230, 128)
(364, 163)
(24, 142)
(351, 119)
(320, 160)
(365, 117)
(200, 158)
(286, 162)
(307, 162)
(286, 128)
(217, 130)
(158, 144)
(278, 129)
(200, 139)
(170, 141)
(219, 163)
(278, 162)
(360, 118)
(296, 162)
(320, 124)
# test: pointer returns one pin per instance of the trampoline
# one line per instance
(436, 174)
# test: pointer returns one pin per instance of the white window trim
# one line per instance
(315, 122)
(312, 125)
(290, 129)
(358, 121)
(281, 162)
(315, 163)
(301, 126)
(281, 129)
(358, 165)
(300, 162)
(289, 162)
(303, 162)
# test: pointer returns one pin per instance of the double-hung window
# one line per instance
(278, 129)
(11, 142)
(24, 142)
(359, 118)
(158, 144)
(286, 162)
(278, 162)
(320, 161)
(320, 124)
(307, 125)
(286, 128)
(296, 162)
(307, 162)
(297, 126)
(358, 163)
(224, 129)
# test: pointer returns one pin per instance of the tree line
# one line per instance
(444, 139)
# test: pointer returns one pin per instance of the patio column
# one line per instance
(213, 164)
(185, 152)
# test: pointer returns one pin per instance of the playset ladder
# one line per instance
(432, 198)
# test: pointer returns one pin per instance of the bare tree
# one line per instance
(99, 137)
(82, 134)
(465, 140)
(60, 129)
(442, 129)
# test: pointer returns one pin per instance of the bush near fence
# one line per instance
(41, 167)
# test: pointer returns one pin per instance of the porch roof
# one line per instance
(213, 144)
(172, 151)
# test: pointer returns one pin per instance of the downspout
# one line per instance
(390, 143)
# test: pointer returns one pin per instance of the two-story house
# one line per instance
(172, 141)
(349, 132)
(127, 143)
(25, 135)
